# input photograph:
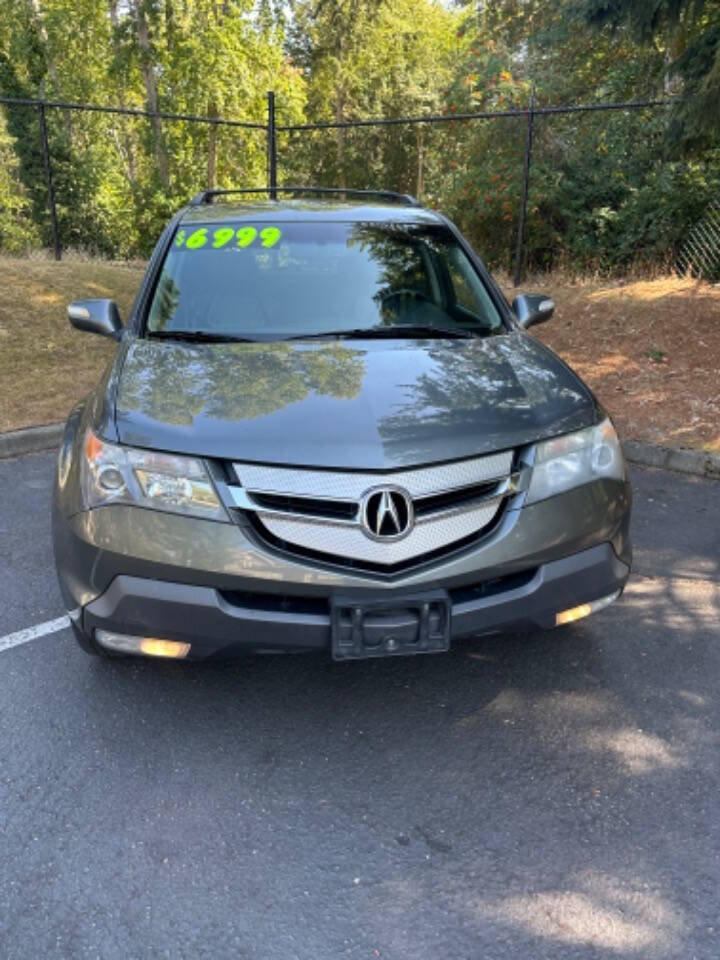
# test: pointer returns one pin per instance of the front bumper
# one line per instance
(142, 572)
(219, 623)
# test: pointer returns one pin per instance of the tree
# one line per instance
(18, 231)
(607, 190)
(141, 10)
(367, 59)
(118, 179)
(605, 193)
(688, 34)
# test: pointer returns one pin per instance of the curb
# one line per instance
(30, 440)
(696, 462)
(700, 463)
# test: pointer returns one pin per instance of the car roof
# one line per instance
(283, 211)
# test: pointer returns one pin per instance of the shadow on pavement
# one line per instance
(550, 790)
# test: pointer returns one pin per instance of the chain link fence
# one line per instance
(699, 254)
(516, 181)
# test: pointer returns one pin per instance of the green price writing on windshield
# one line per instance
(243, 236)
(270, 236)
(222, 236)
(197, 239)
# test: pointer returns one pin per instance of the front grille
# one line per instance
(350, 541)
(307, 506)
(319, 605)
(491, 588)
(275, 603)
(364, 567)
(350, 485)
(454, 498)
(320, 513)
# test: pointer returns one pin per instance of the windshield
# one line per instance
(291, 280)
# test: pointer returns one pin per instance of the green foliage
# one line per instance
(365, 59)
(118, 179)
(634, 221)
(18, 230)
(688, 34)
(608, 191)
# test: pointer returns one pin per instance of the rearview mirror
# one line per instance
(532, 308)
(96, 316)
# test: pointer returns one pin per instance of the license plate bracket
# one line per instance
(392, 627)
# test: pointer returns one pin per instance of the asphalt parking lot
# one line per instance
(551, 796)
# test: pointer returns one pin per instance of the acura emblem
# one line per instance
(387, 513)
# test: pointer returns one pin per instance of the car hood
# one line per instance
(367, 404)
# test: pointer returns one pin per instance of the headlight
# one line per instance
(566, 462)
(145, 478)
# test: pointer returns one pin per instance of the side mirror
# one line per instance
(96, 316)
(532, 308)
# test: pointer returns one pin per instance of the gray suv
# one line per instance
(324, 428)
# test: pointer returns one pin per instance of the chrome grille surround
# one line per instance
(343, 539)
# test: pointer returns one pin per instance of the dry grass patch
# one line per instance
(46, 366)
(650, 349)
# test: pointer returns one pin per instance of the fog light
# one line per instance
(148, 646)
(585, 609)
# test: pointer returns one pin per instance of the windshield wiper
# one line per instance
(198, 336)
(397, 331)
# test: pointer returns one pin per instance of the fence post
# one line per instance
(49, 180)
(520, 249)
(271, 145)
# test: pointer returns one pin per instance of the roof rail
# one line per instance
(207, 196)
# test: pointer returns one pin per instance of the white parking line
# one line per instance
(32, 633)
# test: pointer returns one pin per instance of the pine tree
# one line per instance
(688, 33)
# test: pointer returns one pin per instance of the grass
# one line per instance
(45, 365)
(650, 349)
